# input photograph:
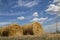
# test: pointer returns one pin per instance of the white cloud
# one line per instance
(54, 7)
(41, 20)
(58, 4)
(28, 4)
(56, 1)
(35, 14)
(21, 18)
(35, 19)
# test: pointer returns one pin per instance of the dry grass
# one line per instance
(34, 37)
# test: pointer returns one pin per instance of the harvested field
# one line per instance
(34, 37)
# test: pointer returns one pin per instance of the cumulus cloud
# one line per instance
(56, 1)
(41, 20)
(28, 4)
(55, 8)
(36, 19)
(35, 14)
(21, 18)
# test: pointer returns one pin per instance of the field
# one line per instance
(34, 37)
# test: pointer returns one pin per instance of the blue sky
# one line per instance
(26, 11)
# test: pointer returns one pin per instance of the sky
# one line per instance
(27, 11)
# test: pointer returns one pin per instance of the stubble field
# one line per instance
(34, 37)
